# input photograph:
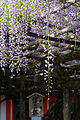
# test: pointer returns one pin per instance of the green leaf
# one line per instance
(29, 37)
(2, 18)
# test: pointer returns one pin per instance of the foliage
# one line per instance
(75, 110)
(55, 111)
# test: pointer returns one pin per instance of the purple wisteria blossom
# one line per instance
(45, 18)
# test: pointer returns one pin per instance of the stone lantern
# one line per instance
(36, 108)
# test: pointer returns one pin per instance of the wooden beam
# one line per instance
(54, 39)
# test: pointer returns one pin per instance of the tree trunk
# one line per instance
(66, 106)
(22, 101)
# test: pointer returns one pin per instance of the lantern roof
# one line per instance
(35, 94)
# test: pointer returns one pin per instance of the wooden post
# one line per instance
(66, 106)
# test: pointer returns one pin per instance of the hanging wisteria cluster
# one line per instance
(15, 19)
(13, 37)
(48, 71)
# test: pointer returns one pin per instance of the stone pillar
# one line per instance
(66, 106)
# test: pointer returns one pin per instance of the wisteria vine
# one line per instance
(15, 19)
